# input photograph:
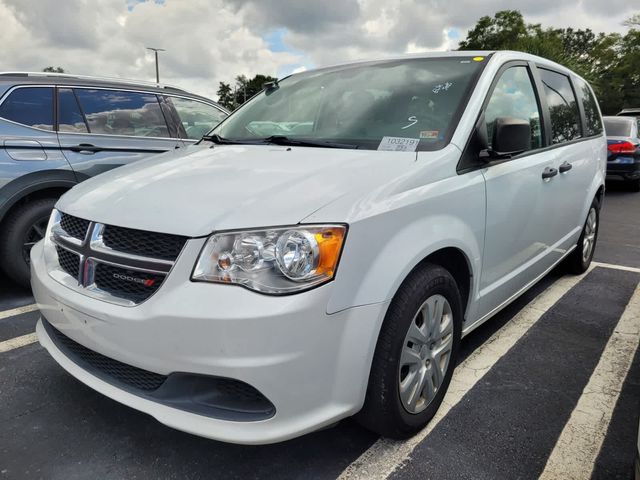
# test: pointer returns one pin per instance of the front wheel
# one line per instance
(415, 355)
(579, 260)
(22, 229)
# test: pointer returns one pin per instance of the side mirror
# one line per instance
(511, 135)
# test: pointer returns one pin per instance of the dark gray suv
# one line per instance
(58, 130)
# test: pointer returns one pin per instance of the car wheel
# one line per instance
(415, 355)
(22, 229)
(579, 260)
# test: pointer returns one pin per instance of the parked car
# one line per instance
(623, 160)
(57, 130)
(322, 252)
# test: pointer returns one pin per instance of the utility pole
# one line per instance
(156, 50)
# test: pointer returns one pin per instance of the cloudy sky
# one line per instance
(207, 41)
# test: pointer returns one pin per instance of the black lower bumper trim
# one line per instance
(215, 397)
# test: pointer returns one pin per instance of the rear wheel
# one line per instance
(415, 354)
(22, 229)
(579, 260)
(634, 185)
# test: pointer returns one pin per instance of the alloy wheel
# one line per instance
(34, 234)
(589, 239)
(425, 354)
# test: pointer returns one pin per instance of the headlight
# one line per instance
(274, 260)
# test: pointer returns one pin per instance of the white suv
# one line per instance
(322, 252)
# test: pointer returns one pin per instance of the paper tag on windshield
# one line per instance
(398, 144)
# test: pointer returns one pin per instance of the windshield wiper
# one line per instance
(215, 138)
(283, 140)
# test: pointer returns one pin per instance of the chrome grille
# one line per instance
(115, 264)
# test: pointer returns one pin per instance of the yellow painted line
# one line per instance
(17, 311)
(18, 342)
(385, 456)
(577, 447)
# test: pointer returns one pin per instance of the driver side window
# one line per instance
(514, 97)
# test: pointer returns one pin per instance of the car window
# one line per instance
(563, 107)
(514, 97)
(70, 118)
(32, 106)
(197, 118)
(593, 125)
(359, 105)
(115, 112)
(617, 127)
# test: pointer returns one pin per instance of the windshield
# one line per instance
(617, 127)
(358, 105)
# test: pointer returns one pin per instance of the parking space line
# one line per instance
(577, 448)
(18, 342)
(385, 455)
(17, 311)
(616, 267)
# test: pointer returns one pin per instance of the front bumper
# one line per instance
(311, 366)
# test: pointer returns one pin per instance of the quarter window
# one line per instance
(563, 107)
(70, 118)
(114, 112)
(591, 113)
(514, 97)
(32, 106)
(197, 118)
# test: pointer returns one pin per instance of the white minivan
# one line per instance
(324, 249)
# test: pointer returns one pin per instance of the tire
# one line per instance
(386, 410)
(634, 185)
(24, 224)
(577, 262)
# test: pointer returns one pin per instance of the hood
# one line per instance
(197, 190)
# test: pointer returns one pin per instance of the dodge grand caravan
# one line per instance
(322, 251)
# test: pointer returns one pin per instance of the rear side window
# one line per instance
(197, 118)
(32, 106)
(593, 124)
(563, 107)
(70, 118)
(115, 112)
(514, 97)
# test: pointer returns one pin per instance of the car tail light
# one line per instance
(622, 147)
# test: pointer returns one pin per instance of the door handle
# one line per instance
(85, 147)
(549, 172)
(565, 167)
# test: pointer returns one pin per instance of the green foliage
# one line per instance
(53, 69)
(610, 62)
(244, 88)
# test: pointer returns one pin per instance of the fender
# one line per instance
(17, 189)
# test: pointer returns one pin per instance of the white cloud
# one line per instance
(208, 41)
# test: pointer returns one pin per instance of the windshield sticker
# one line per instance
(429, 134)
(398, 144)
(413, 121)
(442, 86)
(478, 59)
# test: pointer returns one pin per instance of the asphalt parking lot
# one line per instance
(549, 388)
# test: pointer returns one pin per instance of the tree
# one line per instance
(225, 96)
(53, 69)
(242, 91)
(610, 62)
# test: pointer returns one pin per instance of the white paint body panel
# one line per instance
(310, 353)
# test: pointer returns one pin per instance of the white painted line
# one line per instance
(18, 342)
(616, 267)
(385, 456)
(578, 445)
(17, 311)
